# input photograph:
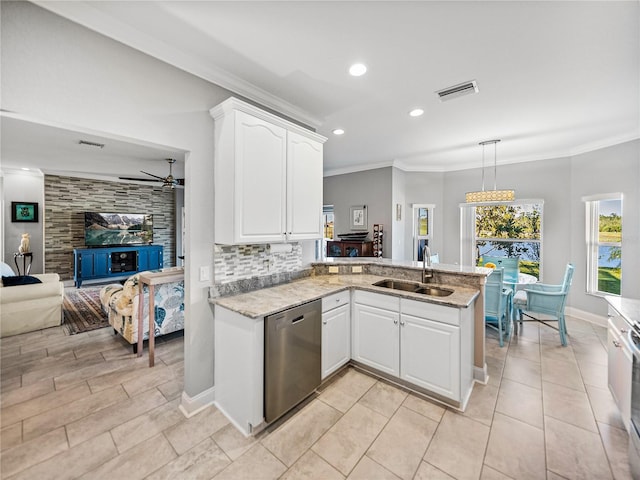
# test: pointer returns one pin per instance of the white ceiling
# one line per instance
(555, 78)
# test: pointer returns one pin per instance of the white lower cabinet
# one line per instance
(427, 345)
(375, 331)
(336, 332)
(620, 364)
(430, 355)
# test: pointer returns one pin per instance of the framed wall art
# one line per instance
(358, 215)
(24, 212)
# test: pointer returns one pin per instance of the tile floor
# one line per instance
(83, 406)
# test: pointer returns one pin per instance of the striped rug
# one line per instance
(82, 310)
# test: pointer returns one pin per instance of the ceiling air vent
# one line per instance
(91, 144)
(456, 91)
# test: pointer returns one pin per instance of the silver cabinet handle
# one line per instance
(395, 322)
(616, 344)
(324, 322)
(402, 323)
(623, 330)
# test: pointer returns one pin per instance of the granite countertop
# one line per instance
(629, 308)
(267, 301)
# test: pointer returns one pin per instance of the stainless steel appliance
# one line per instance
(292, 363)
(634, 427)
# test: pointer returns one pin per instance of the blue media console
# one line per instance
(111, 262)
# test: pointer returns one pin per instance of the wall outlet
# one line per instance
(334, 269)
(357, 269)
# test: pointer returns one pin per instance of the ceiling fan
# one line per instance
(168, 181)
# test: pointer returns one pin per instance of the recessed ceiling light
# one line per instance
(357, 69)
(25, 169)
(338, 131)
(416, 112)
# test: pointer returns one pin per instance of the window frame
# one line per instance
(474, 239)
(593, 243)
(415, 237)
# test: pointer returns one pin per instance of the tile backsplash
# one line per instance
(238, 262)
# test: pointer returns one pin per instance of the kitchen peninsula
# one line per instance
(430, 343)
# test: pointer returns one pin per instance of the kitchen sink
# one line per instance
(414, 287)
(434, 291)
(398, 285)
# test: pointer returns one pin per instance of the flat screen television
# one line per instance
(113, 229)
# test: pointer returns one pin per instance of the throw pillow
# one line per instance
(19, 280)
(6, 271)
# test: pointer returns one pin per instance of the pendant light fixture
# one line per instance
(494, 195)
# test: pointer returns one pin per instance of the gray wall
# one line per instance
(58, 71)
(609, 170)
(21, 186)
(426, 187)
(560, 183)
(67, 198)
(371, 188)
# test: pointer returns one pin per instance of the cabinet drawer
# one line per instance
(618, 322)
(336, 300)
(379, 300)
(439, 313)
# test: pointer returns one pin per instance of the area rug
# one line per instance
(82, 310)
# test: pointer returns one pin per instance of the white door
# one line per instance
(430, 355)
(375, 338)
(304, 188)
(260, 196)
(336, 339)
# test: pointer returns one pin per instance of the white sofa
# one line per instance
(25, 308)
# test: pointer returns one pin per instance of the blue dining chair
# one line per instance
(547, 300)
(509, 265)
(497, 304)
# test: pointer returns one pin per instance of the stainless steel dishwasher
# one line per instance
(292, 357)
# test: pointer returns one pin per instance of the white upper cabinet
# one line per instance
(268, 177)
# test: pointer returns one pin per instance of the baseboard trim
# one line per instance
(190, 406)
(587, 316)
(481, 375)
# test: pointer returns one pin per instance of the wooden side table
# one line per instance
(152, 279)
(26, 269)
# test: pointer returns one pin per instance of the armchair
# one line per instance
(497, 304)
(509, 265)
(120, 302)
(547, 300)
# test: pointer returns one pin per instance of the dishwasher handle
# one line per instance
(297, 319)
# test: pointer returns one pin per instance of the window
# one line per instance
(327, 218)
(422, 228)
(604, 243)
(511, 230)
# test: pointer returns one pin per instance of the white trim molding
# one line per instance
(587, 316)
(190, 406)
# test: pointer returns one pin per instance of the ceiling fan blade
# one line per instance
(137, 179)
(152, 175)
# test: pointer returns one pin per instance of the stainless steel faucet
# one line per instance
(426, 263)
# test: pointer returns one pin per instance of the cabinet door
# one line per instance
(86, 265)
(101, 261)
(144, 257)
(260, 180)
(304, 188)
(620, 367)
(375, 338)
(430, 355)
(336, 339)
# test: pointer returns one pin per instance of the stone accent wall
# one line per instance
(238, 262)
(67, 198)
